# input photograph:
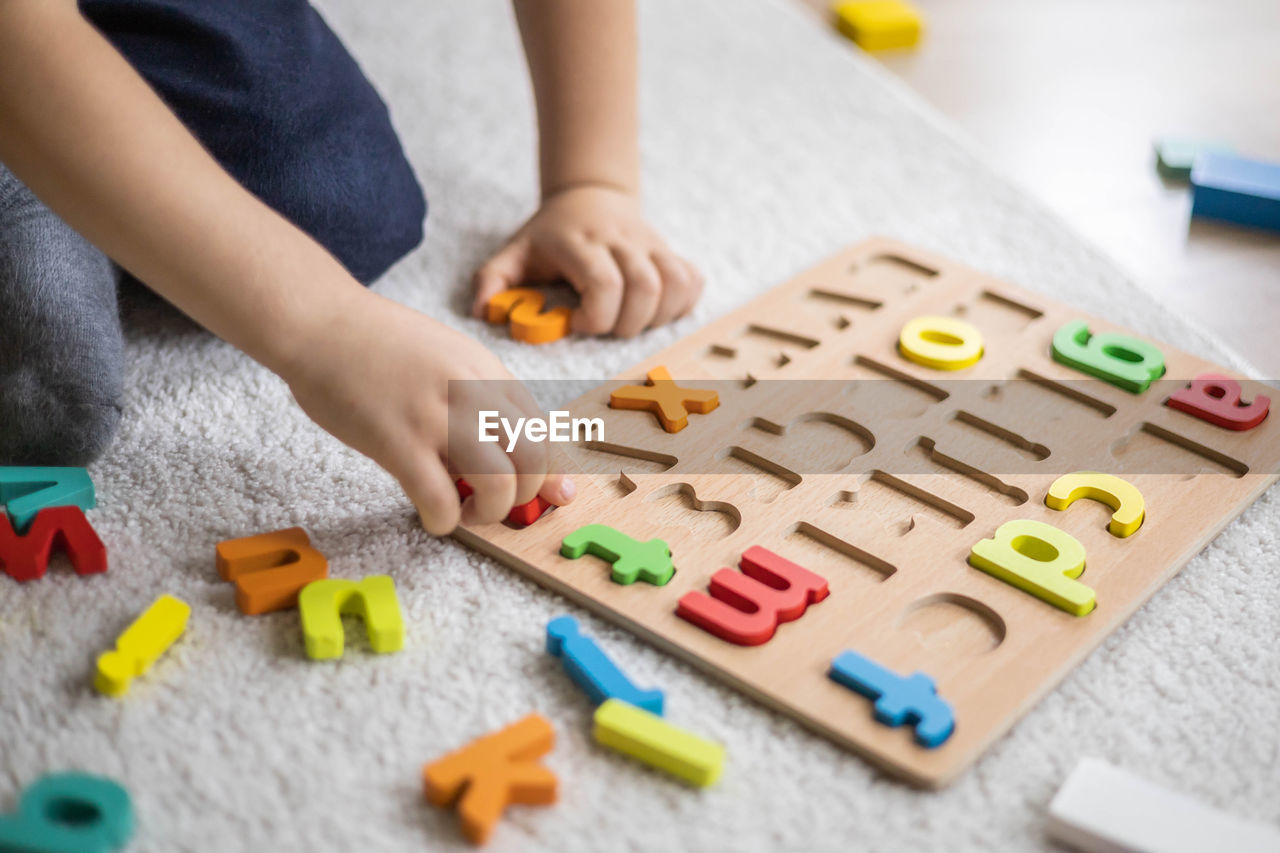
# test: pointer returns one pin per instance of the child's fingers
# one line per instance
(485, 466)
(558, 489)
(679, 286)
(432, 491)
(493, 497)
(595, 275)
(695, 291)
(531, 459)
(504, 270)
(641, 294)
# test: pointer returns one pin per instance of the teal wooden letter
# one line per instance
(26, 491)
(647, 561)
(69, 813)
(1122, 360)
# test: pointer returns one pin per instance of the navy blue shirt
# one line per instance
(271, 92)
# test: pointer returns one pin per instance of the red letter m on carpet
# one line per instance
(25, 558)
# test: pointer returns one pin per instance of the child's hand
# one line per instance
(406, 391)
(596, 238)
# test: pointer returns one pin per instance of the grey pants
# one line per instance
(61, 346)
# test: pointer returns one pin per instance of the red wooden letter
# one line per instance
(25, 558)
(745, 607)
(1216, 398)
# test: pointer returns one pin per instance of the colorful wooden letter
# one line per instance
(592, 670)
(636, 732)
(1038, 558)
(522, 306)
(323, 603)
(1175, 157)
(1215, 398)
(69, 813)
(662, 396)
(1122, 360)
(898, 699)
(26, 491)
(1236, 189)
(270, 569)
(878, 24)
(493, 772)
(647, 561)
(943, 343)
(1121, 495)
(745, 607)
(520, 516)
(26, 557)
(141, 645)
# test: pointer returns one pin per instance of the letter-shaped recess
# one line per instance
(1215, 398)
(26, 491)
(1122, 360)
(898, 699)
(69, 813)
(1121, 495)
(647, 561)
(142, 643)
(520, 516)
(651, 739)
(1038, 558)
(26, 557)
(943, 343)
(592, 670)
(493, 772)
(323, 603)
(662, 396)
(745, 607)
(270, 569)
(522, 306)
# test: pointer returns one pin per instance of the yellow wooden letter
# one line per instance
(1038, 558)
(640, 734)
(943, 343)
(322, 604)
(1121, 495)
(141, 644)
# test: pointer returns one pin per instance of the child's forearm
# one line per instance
(100, 148)
(582, 59)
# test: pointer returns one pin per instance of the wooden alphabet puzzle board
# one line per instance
(831, 449)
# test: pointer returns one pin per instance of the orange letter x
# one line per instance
(492, 772)
(666, 399)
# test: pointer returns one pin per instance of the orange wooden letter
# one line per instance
(270, 569)
(492, 772)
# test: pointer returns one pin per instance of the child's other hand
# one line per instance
(596, 238)
(406, 391)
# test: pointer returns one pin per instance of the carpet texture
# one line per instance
(768, 145)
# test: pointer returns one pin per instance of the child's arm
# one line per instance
(589, 228)
(88, 136)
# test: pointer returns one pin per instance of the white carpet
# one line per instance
(768, 145)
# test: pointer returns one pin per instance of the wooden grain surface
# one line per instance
(834, 451)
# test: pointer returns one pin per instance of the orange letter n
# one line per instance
(270, 569)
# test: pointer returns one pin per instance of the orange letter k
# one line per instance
(492, 772)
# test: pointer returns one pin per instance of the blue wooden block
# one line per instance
(898, 699)
(69, 813)
(1175, 157)
(26, 491)
(592, 670)
(1236, 189)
